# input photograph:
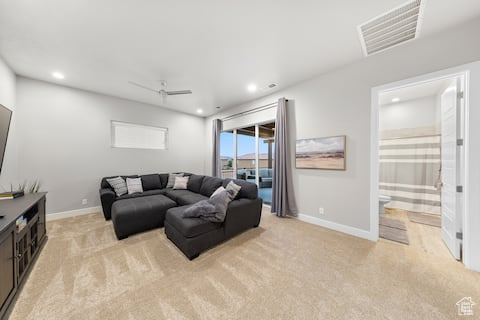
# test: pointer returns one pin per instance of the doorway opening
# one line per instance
(421, 164)
(247, 151)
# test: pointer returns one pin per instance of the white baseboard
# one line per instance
(72, 213)
(364, 234)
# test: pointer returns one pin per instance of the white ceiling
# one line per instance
(213, 47)
(416, 91)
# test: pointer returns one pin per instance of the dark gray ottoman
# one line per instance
(135, 215)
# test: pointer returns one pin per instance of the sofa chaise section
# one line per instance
(194, 235)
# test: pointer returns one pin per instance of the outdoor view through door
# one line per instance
(246, 151)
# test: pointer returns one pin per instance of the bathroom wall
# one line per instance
(422, 112)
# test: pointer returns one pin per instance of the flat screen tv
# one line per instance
(5, 117)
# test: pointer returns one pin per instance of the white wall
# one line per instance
(64, 140)
(339, 102)
(416, 113)
(7, 99)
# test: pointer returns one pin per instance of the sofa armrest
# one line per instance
(107, 198)
(242, 214)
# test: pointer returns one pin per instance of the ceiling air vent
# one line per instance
(395, 27)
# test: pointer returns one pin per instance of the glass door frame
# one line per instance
(257, 149)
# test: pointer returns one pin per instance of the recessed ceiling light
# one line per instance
(58, 75)
(252, 87)
(395, 99)
(199, 111)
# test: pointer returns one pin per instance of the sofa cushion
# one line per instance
(143, 194)
(151, 182)
(184, 197)
(209, 185)
(164, 179)
(195, 183)
(189, 227)
(248, 190)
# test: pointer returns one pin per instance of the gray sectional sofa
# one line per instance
(159, 206)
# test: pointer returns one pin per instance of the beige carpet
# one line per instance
(285, 269)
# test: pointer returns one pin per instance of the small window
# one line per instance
(131, 135)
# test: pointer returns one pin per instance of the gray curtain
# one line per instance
(216, 130)
(283, 200)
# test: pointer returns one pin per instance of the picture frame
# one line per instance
(327, 153)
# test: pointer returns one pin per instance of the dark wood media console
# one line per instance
(19, 249)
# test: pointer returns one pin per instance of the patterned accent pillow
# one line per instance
(134, 185)
(119, 185)
(171, 179)
(180, 183)
(232, 189)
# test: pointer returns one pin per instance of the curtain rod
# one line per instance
(264, 107)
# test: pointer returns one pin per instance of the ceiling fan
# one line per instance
(163, 89)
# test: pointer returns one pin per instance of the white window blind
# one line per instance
(260, 116)
(131, 135)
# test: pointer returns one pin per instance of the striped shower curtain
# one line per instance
(410, 172)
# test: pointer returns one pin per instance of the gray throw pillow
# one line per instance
(233, 189)
(180, 183)
(134, 185)
(171, 179)
(213, 209)
(118, 185)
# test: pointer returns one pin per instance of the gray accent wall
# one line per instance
(64, 140)
(339, 102)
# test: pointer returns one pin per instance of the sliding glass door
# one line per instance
(247, 154)
(227, 147)
(266, 148)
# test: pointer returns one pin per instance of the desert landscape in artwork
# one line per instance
(321, 153)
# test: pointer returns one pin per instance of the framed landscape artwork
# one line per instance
(321, 153)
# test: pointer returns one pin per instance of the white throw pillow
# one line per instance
(134, 185)
(219, 189)
(233, 189)
(180, 183)
(171, 179)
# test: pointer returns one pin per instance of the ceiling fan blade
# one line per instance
(142, 86)
(172, 93)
